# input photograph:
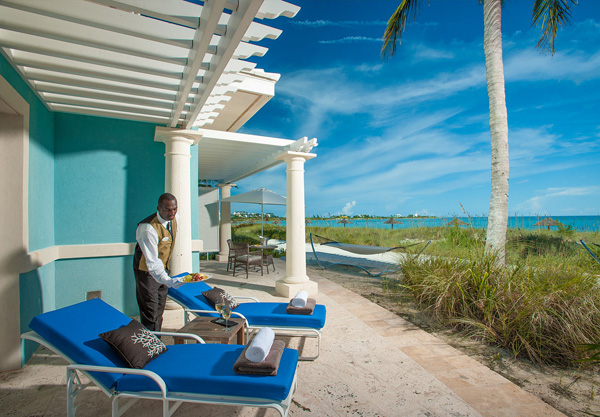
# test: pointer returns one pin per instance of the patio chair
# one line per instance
(230, 255)
(194, 373)
(245, 258)
(267, 257)
(257, 314)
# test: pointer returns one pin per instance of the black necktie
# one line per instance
(169, 228)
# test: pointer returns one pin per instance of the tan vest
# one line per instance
(165, 247)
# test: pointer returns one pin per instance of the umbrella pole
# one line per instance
(262, 220)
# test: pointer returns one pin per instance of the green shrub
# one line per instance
(541, 313)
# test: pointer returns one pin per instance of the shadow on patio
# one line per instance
(372, 363)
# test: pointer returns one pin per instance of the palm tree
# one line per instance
(550, 15)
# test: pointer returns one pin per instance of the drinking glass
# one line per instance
(219, 306)
(226, 313)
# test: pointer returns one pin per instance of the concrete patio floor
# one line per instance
(372, 363)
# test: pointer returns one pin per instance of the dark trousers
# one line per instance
(151, 299)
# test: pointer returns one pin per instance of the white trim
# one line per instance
(50, 254)
(14, 133)
(20, 105)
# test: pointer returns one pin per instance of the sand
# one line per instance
(572, 391)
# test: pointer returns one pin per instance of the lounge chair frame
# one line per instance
(383, 250)
(171, 401)
(292, 331)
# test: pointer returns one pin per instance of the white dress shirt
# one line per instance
(147, 238)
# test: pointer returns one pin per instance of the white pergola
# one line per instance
(169, 62)
(177, 63)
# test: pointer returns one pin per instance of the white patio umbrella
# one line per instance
(260, 196)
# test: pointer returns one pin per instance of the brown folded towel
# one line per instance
(267, 367)
(307, 310)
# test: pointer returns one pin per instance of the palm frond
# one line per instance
(397, 24)
(550, 15)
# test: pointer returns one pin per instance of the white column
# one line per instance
(14, 221)
(177, 182)
(225, 225)
(295, 278)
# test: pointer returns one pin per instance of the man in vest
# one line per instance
(155, 236)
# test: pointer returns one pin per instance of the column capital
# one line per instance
(166, 134)
(221, 186)
(289, 155)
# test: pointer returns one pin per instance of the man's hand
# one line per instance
(177, 284)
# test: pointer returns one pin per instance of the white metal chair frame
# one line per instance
(171, 401)
(292, 331)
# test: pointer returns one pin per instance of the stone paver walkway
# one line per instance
(372, 363)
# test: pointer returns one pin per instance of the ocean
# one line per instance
(580, 223)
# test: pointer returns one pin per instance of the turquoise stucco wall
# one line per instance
(91, 179)
(109, 174)
(195, 208)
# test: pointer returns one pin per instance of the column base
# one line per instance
(290, 290)
(222, 258)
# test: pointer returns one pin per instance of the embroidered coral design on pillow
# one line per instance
(230, 300)
(149, 341)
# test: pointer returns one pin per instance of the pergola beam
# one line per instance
(240, 21)
(209, 19)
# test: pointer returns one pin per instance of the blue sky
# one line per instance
(411, 134)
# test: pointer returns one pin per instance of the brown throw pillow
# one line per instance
(215, 295)
(135, 344)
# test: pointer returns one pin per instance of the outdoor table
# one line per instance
(211, 332)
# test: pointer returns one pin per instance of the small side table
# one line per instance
(212, 332)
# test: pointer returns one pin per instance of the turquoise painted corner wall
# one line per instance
(109, 174)
(91, 180)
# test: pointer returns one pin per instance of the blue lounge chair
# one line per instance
(257, 314)
(195, 373)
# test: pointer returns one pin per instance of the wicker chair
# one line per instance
(267, 257)
(230, 256)
(243, 257)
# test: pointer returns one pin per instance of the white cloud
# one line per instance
(321, 93)
(554, 197)
(530, 65)
(340, 23)
(422, 52)
(348, 208)
(351, 39)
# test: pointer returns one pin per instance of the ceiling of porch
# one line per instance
(228, 157)
(172, 62)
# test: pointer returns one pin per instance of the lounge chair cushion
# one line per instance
(208, 369)
(258, 314)
(74, 331)
(274, 314)
(190, 295)
(135, 344)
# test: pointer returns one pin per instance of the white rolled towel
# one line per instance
(260, 346)
(300, 299)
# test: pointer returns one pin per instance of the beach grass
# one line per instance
(543, 313)
(532, 247)
(543, 304)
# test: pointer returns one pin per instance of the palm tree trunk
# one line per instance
(492, 45)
